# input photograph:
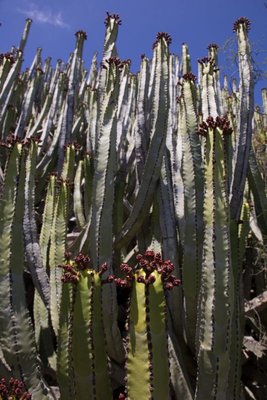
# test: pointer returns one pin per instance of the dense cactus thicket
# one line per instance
(133, 227)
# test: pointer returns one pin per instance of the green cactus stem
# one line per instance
(16, 331)
(192, 174)
(82, 356)
(242, 151)
(147, 350)
(217, 300)
(159, 114)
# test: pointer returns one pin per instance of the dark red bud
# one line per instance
(141, 279)
(126, 268)
(168, 285)
(151, 279)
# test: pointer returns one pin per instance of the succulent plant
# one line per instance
(115, 189)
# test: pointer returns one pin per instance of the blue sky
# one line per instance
(195, 22)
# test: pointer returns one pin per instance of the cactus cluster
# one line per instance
(127, 202)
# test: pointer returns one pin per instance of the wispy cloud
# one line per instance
(43, 16)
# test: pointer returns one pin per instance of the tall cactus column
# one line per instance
(216, 291)
(82, 358)
(147, 366)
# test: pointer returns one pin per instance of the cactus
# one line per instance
(217, 290)
(82, 357)
(103, 165)
(147, 351)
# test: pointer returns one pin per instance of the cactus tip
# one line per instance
(190, 77)
(109, 17)
(245, 22)
(81, 33)
(160, 36)
(212, 46)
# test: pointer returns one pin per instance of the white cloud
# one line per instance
(43, 16)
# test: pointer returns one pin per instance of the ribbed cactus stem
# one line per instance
(216, 292)
(159, 115)
(82, 357)
(192, 174)
(25, 34)
(32, 247)
(185, 63)
(147, 351)
(57, 250)
(16, 331)
(9, 81)
(241, 155)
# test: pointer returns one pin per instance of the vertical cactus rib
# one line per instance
(43, 331)
(47, 220)
(77, 196)
(192, 174)
(57, 251)
(27, 105)
(91, 116)
(141, 135)
(241, 156)
(7, 213)
(257, 186)
(32, 247)
(65, 334)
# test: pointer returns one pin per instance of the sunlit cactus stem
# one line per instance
(244, 133)
(82, 356)
(147, 365)
(217, 297)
